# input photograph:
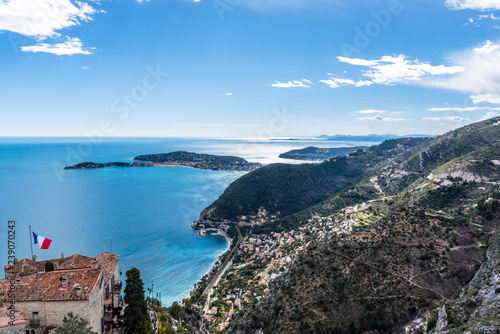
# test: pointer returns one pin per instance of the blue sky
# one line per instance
(253, 68)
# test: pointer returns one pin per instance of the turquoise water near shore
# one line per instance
(146, 211)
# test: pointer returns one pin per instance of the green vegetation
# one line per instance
(136, 312)
(315, 153)
(288, 189)
(202, 161)
(424, 240)
(49, 266)
(73, 324)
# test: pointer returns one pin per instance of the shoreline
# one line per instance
(228, 247)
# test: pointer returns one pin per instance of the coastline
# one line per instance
(219, 232)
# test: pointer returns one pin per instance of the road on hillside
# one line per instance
(223, 266)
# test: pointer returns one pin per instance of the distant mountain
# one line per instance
(371, 137)
(312, 153)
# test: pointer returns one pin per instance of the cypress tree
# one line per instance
(137, 309)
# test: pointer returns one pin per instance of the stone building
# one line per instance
(89, 287)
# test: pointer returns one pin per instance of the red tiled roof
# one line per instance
(19, 318)
(48, 286)
(108, 262)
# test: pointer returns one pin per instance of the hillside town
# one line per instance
(262, 258)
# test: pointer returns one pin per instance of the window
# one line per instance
(35, 321)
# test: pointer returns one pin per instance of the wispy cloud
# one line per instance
(489, 115)
(457, 109)
(447, 118)
(475, 70)
(399, 69)
(369, 111)
(481, 74)
(380, 118)
(71, 46)
(229, 94)
(291, 84)
(473, 4)
(337, 82)
(487, 48)
(42, 18)
(485, 98)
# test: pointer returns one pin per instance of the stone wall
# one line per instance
(18, 329)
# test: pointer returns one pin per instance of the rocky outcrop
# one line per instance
(477, 308)
(466, 176)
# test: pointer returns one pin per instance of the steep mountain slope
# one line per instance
(477, 309)
(442, 200)
(290, 188)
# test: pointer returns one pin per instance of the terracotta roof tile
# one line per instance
(48, 286)
(108, 262)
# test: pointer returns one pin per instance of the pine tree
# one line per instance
(143, 328)
(73, 324)
(49, 266)
(136, 311)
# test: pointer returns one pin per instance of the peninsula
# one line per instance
(312, 153)
(179, 158)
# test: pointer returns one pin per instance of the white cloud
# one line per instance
(71, 46)
(487, 48)
(380, 118)
(337, 82)
(447, 118)
(369, 111)
(489, 115)
(457, 109)
(85, 67)
(485, 98)
(473, 4)
(229, 94)
(291, 84)
(42, 18)
(391, 69)
(481, 74)
(488, 16)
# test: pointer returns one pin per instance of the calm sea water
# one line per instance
(142, 214)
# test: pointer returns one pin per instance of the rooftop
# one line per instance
(49, 286)
(106, 261)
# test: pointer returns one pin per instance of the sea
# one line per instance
(142, 214)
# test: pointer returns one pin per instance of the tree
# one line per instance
(143, 328)
(73, 324)
(136, 311)
(49, 266)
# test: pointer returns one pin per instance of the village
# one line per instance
(262, 258)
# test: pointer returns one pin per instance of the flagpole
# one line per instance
(31, 244)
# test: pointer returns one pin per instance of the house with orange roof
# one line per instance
(88, 287)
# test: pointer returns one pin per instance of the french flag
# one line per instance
(43, 242)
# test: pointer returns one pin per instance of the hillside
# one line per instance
(201, 161)
(477, 307)
(312, 153)
(435, 208)
(288, 189)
